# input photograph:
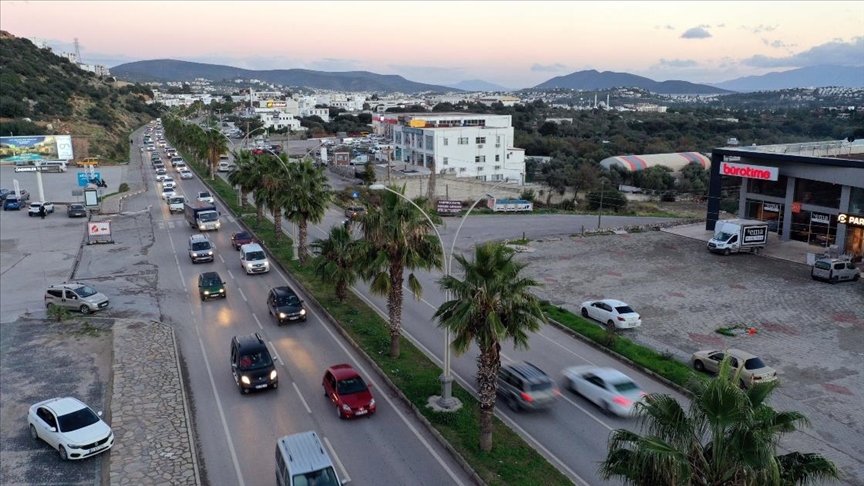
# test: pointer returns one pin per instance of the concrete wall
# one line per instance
(462, 189)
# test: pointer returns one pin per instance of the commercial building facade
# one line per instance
(811, 192)
(458, 144)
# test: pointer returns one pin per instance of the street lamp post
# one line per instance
(446, 401)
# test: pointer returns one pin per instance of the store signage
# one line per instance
(757, 234)
(855, 220)
(820, 218)
(796, 207)
(749, 171)
(771, 207)
(101, 228)
(449, 206)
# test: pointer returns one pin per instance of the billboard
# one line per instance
(28, 149)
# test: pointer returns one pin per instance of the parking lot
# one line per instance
(811, 332)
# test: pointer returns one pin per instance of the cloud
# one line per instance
(666, 27)
(720, 26)
(777, 44)
(548, 68)
(696, 33)
(835, 52)
(764, 28)
(677, 63)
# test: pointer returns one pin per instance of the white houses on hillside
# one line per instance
(459, 144)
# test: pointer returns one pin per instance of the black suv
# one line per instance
(251, 363)
(284, 304)
(524, 385)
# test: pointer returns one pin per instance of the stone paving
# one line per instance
(149, 414)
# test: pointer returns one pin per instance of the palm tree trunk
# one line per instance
(341, 291)
(394, 308)
(487, 388)
(303, 234)
(244, 196)
(260, 214)
(277, 225)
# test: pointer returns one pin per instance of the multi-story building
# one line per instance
(280, 120)
(458, 144)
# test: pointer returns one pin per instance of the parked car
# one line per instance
(71, 427)
(211, 285)
(33, 210)
(347, 390)
(205, 196)
(76, 211)
(354, 211)
(525, 386)
(607, 388)
(251, 364)
(75, 296)
(834, 270)
(241, 238)
(285, 305)
(613, 313)
(752, 369)
(5, 192)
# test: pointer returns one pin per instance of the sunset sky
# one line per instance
(513, 44)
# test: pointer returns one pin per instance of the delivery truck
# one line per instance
(202, 215)
(737, 235)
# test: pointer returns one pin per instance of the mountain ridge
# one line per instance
(592, 79)
(809, 76)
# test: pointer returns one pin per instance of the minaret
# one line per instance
(595, 101)
(607, 101)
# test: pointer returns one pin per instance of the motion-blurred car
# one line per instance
(347, 390)
(71, 427)
(76, 211)
(753, 369)
(241, 238)
(613, 313)
(354, 211)
(33, 210)
(607, 388)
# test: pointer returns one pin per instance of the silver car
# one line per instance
(75, 296)
(834, 270)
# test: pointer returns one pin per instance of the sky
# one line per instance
(510, 43)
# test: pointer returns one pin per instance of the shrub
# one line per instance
(123, 187)
(613, 200)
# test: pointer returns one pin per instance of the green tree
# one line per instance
(248, 175)
(337, 259)
(610, 199)
(368, 175)
(396, 238)
(213, 144)
(727, 437)
(274, 190)
(491, 305)
(548, 129)
(306, 201)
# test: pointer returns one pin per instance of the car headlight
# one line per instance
(372, 402)
(346, 407)
(302, 312)
(218, 224)
(273, 375)
(210, 253)
(74, 446)
(221, 291)
(282, 315)
(206, 292)
(245, 380)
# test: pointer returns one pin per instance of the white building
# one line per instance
(458, 144)
(279, 120)
(504, 100)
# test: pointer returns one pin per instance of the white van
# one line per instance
(253, 259)
(302, 461)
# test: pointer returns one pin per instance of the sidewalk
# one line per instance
(133, 175)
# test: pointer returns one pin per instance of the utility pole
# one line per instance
(389, 167)
(600, 214)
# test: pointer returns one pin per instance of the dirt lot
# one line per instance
(41, 360)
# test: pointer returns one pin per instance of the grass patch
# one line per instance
(661, 363)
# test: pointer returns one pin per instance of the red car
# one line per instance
(344, 386)
(241, 238)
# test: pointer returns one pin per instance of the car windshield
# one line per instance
(754, 364)
(823, 265)
(624, 309)
(208, 216)
(77, 420)
(254, 361)
(76, 206)
(204, 194)
(201, 245)
(625, 386)
(721, 236)
(168, 190)
(84, 291)
(288, 300)
(255, 255)
(351, 385)
(242, 236)
(176, 200)
(323, 477)
(212, 281)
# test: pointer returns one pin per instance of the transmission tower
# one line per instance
(77, 51)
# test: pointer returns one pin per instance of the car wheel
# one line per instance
(607, 409)
(742, 384)
(585, 313)
(698, 366)
(512, 403)
(33, 434)
(63, 455)
(244, 391)
(856, 277)
(49, 305)
(610, 325)
(339, 412)
(835, 279)
(727, 251)
(84, 309)
(813, 277)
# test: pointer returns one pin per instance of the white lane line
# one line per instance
(220, 257)
(276, 352)
(346, 478)
(565, 348)
(177, 261)
(259, 322)
(240, 481)
(410, 426)
(230, 274)
(305, 405)
(241, 294)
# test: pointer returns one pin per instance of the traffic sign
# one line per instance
(355, 194)
(85, 178)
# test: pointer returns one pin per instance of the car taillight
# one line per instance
(622, 401)
(755, 378)
(621, 318)
(527, 397)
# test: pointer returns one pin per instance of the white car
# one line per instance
(161, 171)
(613, 313)
(34, 208)
(169, 182)
(205, 196)
(162, 177)
(607, 388)
(168, 192)
(181, 166)
(186, 174)
(71, 427)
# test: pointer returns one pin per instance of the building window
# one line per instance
(480, 159)
(430, 142)
(399, 137)
(817, 193)
(446, 141)
(480, 140)
(497, 167)
(497, 138)
(769, 188)
(479, 169)
(497, 158)
(461, 169)
(446, 161)
(856, 200)
(463, 140)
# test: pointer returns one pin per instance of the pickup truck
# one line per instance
(176, 204)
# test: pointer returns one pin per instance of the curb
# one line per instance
(189, 427)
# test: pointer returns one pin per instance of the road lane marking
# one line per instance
(275, 351)
(346, 478)
(240, 481)
(220, 257)
(305, 405)
(259, 322)
(565, 348)
(230, 274)
(242, 294)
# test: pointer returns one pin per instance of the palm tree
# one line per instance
(307, 201)
(728, 437)
(274, 190)
(491, 305)
(247, 176)
(336, 260)
(396, 237)
(213, 144)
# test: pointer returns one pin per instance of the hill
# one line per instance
(60, 98)
(173, 70)
(478, 85)
(811, 76)
(595, 80)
